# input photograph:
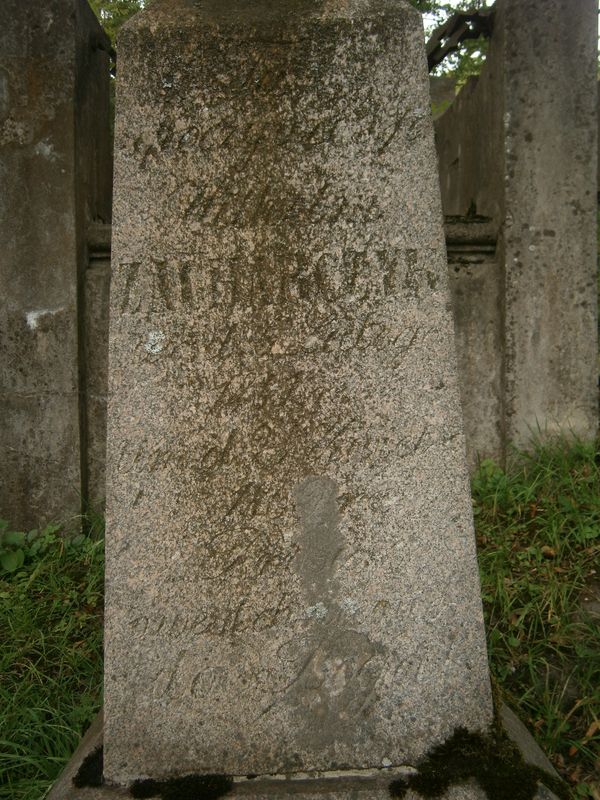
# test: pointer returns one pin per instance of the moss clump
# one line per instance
(90, 771)
(189, 787)
(492, 760)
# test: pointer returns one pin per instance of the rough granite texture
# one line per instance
(291, 572)
(360, 786)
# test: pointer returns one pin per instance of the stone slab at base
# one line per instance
(341, 786)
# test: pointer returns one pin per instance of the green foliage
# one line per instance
(114, 13)
(17, 547)
(438, 11)
(538, 530)
(466, 63)
(470, 58)
(51, 655)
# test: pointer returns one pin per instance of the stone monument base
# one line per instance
(85, 767)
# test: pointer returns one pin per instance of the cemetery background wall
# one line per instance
(55, 172)
(517, 155)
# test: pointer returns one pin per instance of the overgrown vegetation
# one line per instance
(50, 657)
(538, 531)
(112, 14)
(471, 55)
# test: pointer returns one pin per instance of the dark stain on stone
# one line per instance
(189, 787)
(492, 760)
(90, 772)
(432, 280)
(337, 671)
(319, 539)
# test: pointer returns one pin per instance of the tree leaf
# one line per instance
(10, 561)
(16, 538)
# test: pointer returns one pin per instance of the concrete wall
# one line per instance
(519, 147)
(97, 288)
(476, 295)
(442, 93)
(55, 175)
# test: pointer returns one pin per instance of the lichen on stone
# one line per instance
(492, 760)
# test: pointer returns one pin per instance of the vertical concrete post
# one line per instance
(550, 204)
(518, 148)
(97, 291)
(55, 178)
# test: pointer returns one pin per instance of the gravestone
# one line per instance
(291, 575)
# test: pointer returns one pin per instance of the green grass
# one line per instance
(538, 526)
(50, 660)
(538, 533)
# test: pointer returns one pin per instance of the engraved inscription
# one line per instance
(278, 279)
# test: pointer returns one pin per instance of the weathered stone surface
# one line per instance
(476, 291)
(55, 176)
(530, 750)
(291, 573)
(550, 241)
(519, 145)
(97, 292)
(365, 786)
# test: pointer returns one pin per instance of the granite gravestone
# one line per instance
(291, 574)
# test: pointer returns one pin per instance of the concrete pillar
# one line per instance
(518, 148)
(55, 174)
(477, 297)
(550, 217)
